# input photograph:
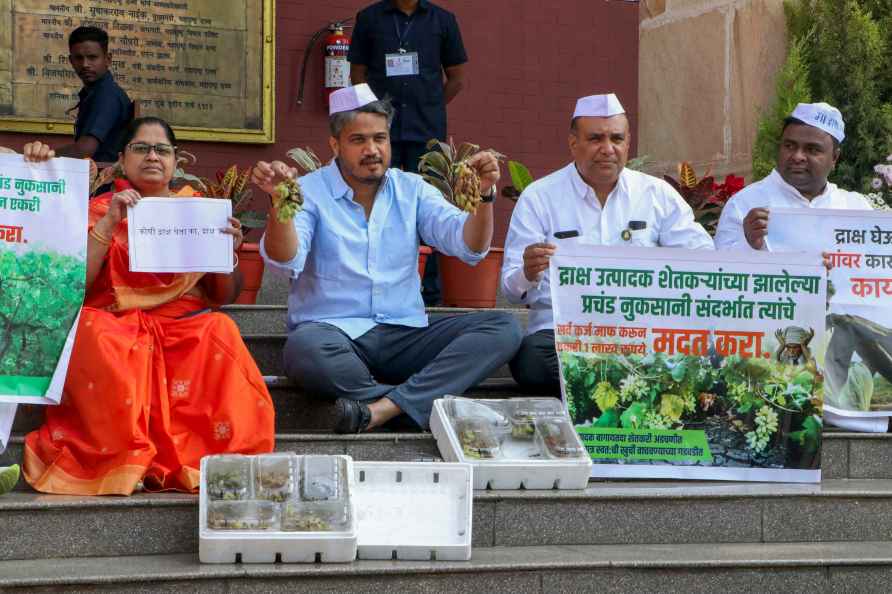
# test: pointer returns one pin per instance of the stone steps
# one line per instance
(297, 411)
(845, 455)
(807, 568)
(606, 513)
(615, 536)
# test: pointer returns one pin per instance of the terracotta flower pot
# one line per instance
(471, 286)
(423, 253)
(251, 265)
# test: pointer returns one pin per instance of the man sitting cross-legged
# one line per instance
(358, 330)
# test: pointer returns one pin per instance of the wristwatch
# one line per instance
(488, 197)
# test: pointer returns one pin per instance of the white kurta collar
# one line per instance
(583, 190)
(791, 192)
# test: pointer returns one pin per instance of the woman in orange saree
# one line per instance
(155, 380)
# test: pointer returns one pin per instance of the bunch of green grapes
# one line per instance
(766, 426)
(288, 200)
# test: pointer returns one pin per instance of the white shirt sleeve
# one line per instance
(859, 202)
(729, 235)
(526, 227)
(678, 227)
(304, 225)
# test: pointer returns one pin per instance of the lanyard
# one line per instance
(400, 37)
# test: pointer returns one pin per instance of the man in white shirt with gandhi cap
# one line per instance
(808, 152)
(594, 200)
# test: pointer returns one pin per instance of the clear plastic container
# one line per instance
(477, 438)
(229, 478)
(494, 415)
(525, 412)
(243, 515)
(322, 478)
(315, 516)
(558, 439)
(274, 477)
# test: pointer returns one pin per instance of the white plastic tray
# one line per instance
(269, 546)
(507, 473)
(415, 511)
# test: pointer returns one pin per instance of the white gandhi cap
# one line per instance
(350, 98)
(599, 106)
(822, 116)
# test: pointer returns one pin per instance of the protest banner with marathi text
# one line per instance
(858, 367)
(691, 364)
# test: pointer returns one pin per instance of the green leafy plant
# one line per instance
(520, 179)
(847, 60)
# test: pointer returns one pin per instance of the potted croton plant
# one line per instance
(446, 168)
(232, 184)
(705, 197)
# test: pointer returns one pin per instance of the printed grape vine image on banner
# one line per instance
(683, 364)
(43, 222)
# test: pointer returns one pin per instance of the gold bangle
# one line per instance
(98, 237)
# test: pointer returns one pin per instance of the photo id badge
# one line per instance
(403, 64)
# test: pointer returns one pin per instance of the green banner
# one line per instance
(24, 385)
(646, 444)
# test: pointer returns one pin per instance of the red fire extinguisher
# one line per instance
(335, 48)
(337, 68)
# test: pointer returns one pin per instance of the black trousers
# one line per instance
(535, 366)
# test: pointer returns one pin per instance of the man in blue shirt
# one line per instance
(358, 330)
(404, 49)
(104, 108)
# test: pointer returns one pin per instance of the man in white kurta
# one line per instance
(601, 201)
(808, 152)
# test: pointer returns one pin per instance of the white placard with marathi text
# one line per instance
(859, 327)
(180, 235)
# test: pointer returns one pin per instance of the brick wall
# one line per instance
(529, 62)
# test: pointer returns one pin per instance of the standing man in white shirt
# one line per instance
(809, 150)
(596, 199)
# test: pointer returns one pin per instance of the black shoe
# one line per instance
(353, 416)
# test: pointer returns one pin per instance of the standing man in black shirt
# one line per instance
(412, 52)
(104, 108)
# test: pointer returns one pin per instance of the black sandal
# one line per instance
(353, 416)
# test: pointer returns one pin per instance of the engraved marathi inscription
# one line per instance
(196, 63)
